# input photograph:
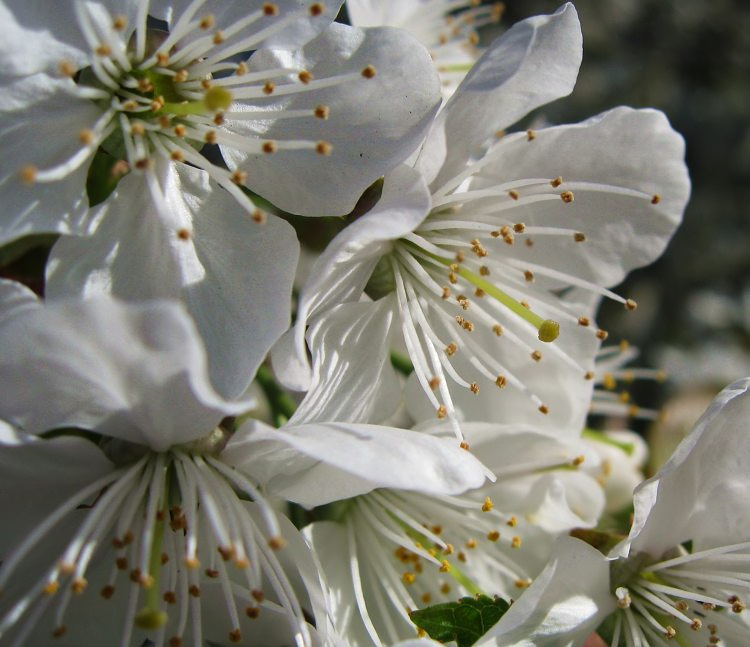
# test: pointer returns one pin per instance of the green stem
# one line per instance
(282, 404)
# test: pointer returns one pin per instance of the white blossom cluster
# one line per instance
(317, 342)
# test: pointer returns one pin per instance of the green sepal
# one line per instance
(464, 622)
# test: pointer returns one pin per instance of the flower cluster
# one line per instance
(314, 344)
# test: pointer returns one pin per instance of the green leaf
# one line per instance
(464, 622)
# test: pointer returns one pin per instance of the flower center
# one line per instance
(701, 592)
(156, 532)
(167, 94)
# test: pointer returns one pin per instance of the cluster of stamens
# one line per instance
(699, 593)
(453, 269)
(166, 95)
(166, 524)
(430, 562)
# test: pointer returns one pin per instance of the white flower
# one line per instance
(447, 28)
(151, 533)
(398, 549)
(473, 247)
(681, 575)
(139, 80)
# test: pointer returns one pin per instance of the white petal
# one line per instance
(38, 35)
(533, 63)
(41, 124)
(341, 272)
(374, 123)
(353, 380)
(234, 275)
(137, 373)
(36, 476)
(634, 150)
(701, 491)
(564, 604)
(333, 461)
(14, 298)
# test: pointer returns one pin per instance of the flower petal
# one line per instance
(40, 110)
(614, 164)
(698, 493)
(342, 271)
(133, 372)
(374, 123)
(353, 380)
(36, 476)
(533, 63)
(563, 605)
(316, 463)
(234, 275)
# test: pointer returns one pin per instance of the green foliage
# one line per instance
(464, 622)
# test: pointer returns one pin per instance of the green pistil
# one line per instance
(548, 330)
(601, 437)
(457, 67)
(151, 617)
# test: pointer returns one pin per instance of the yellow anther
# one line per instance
(323, 148)
(530, 135)
(277, 543)
(498, 330)
(322, 112)
(493, 535)
(656, 199)
(235, 636)
(512, 522)
(445, 566)
(409, 578)
(434, 383)
(487, 505)
(501, 381)
(442, 412)
(270, 9)
(567, 197)
(630, 305)
(317, 8)
(515, 542)
(28, 174)
(543, 408)
(474, 388)
(578, 460)
(579, 237)
(207, 21)
(556, 182)
(369, 72)
(536, 356)
(305, 76)
(513, 194)
(269, 147)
